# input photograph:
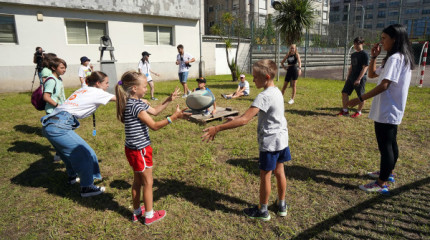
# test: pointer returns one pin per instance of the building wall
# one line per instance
(125, 30)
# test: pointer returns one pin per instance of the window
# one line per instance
(324, 15)
(345, 8)
(381, 14)
(357, 17)
(412, 11)
(371, 6)
(346, 1)
(426, 11)
(382, 5)
(325, 3)
(81, 32)
(7, 29)
(368, 26)
(334, 18)
(335, 9)
(393, 13)
(262, 4)
(391, 22)
(369, 16)
(394, 4)
(345, 17)
(380, 25)
(157, 35)
(211, 9)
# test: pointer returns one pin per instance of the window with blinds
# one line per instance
(157, 35)
(7, 29)
(82, 32)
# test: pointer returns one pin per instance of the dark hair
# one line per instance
(95, 77)
(359, 40)
(47, 58)
(401, 43)
(55, 62)
(180, 46)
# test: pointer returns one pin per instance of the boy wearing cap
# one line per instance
(145, 68)
(202, 86)
(242, 89)
(85, 70)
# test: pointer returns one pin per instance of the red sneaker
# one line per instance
(342, 113)
(135, 217)
(356, 114)
(158, 215)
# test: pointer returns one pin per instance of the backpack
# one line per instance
(37, 96)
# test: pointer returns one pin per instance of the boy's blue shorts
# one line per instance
(268, 160)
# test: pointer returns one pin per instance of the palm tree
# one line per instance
(294, 16)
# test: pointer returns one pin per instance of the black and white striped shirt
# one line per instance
(136, 132)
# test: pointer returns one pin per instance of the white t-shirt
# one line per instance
(272, 131)
(84, 71)
(389, 106)
(245, 85)
(182, 59)
(144, 68)
(84, 101)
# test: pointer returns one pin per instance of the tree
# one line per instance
(294, 16)
(230, 27)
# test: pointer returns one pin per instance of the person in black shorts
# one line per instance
(294, 66)
(357, 76)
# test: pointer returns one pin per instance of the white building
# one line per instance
(73, 28)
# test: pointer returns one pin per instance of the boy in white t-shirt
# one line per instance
(242, 89)
(85, 70)
(272, 135)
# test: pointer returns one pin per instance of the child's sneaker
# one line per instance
(343, 113)
(374, 187)
(255, 213)
(158, 215)
(291, 101)
(91, 191)
(376, 175)
(153, 98)
(73, 180)
(282, 210)
(356, 114)
(135, 217)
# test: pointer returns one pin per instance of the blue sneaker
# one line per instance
(376, 175)
(374, 187)
(255, 213)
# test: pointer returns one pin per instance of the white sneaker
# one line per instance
(189, 92)
(57, 158)
(184, 96)
(291, 101)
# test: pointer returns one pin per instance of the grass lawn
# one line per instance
(204, 187)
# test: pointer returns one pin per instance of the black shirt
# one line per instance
(358, 60)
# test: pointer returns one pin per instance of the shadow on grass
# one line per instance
(202, 197)
(308, 113)
(44, 173)
(300, 173)
(403, 214)
(232, 86)
(28, 129)
(337, 109)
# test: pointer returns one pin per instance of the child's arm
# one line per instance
(237, 122)
(145, 118)
(156, 74)
(214, 110)
(48, 99)
(377, 90)
(158, 109)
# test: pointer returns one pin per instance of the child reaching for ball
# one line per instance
(134, 113)
(202, 86)
(272, 135)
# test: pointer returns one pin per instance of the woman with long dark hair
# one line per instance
(389, 100)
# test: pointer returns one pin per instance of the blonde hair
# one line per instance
(123, 89)
(295, 50)
(265, 67)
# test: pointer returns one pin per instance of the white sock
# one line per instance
(345, 109)
(149, 214)
(137, 211)
(359, 112)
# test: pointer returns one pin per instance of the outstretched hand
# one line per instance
(174, 95)
(181, 113)
(209, 134)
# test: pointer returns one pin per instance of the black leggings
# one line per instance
(386, 135)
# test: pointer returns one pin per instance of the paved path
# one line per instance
(336, 73)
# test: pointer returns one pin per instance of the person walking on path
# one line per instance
(389, 102)
(183, 59)
(145, 68)
(356, 79)
(294, 70)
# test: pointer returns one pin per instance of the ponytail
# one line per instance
(123, 89)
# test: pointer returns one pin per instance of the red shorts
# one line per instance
(140, 159)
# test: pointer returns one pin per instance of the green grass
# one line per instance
(204, 187)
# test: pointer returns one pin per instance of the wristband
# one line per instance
(360, 98)
(169, 120)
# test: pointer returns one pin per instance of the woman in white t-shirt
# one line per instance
(58, 127)
(145, 68)
(389, 101)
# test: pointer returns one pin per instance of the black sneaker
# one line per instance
(282, 210)
(91, 191)
(255, 213)
(73, 180)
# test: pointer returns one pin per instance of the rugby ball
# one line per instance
(200, 100)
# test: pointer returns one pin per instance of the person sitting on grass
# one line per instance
(272, 135)
(202, 86)
(242, 89)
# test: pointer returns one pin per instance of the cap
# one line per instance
(242, 75)
(201, 80)
(84, 59)
(145, 53)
